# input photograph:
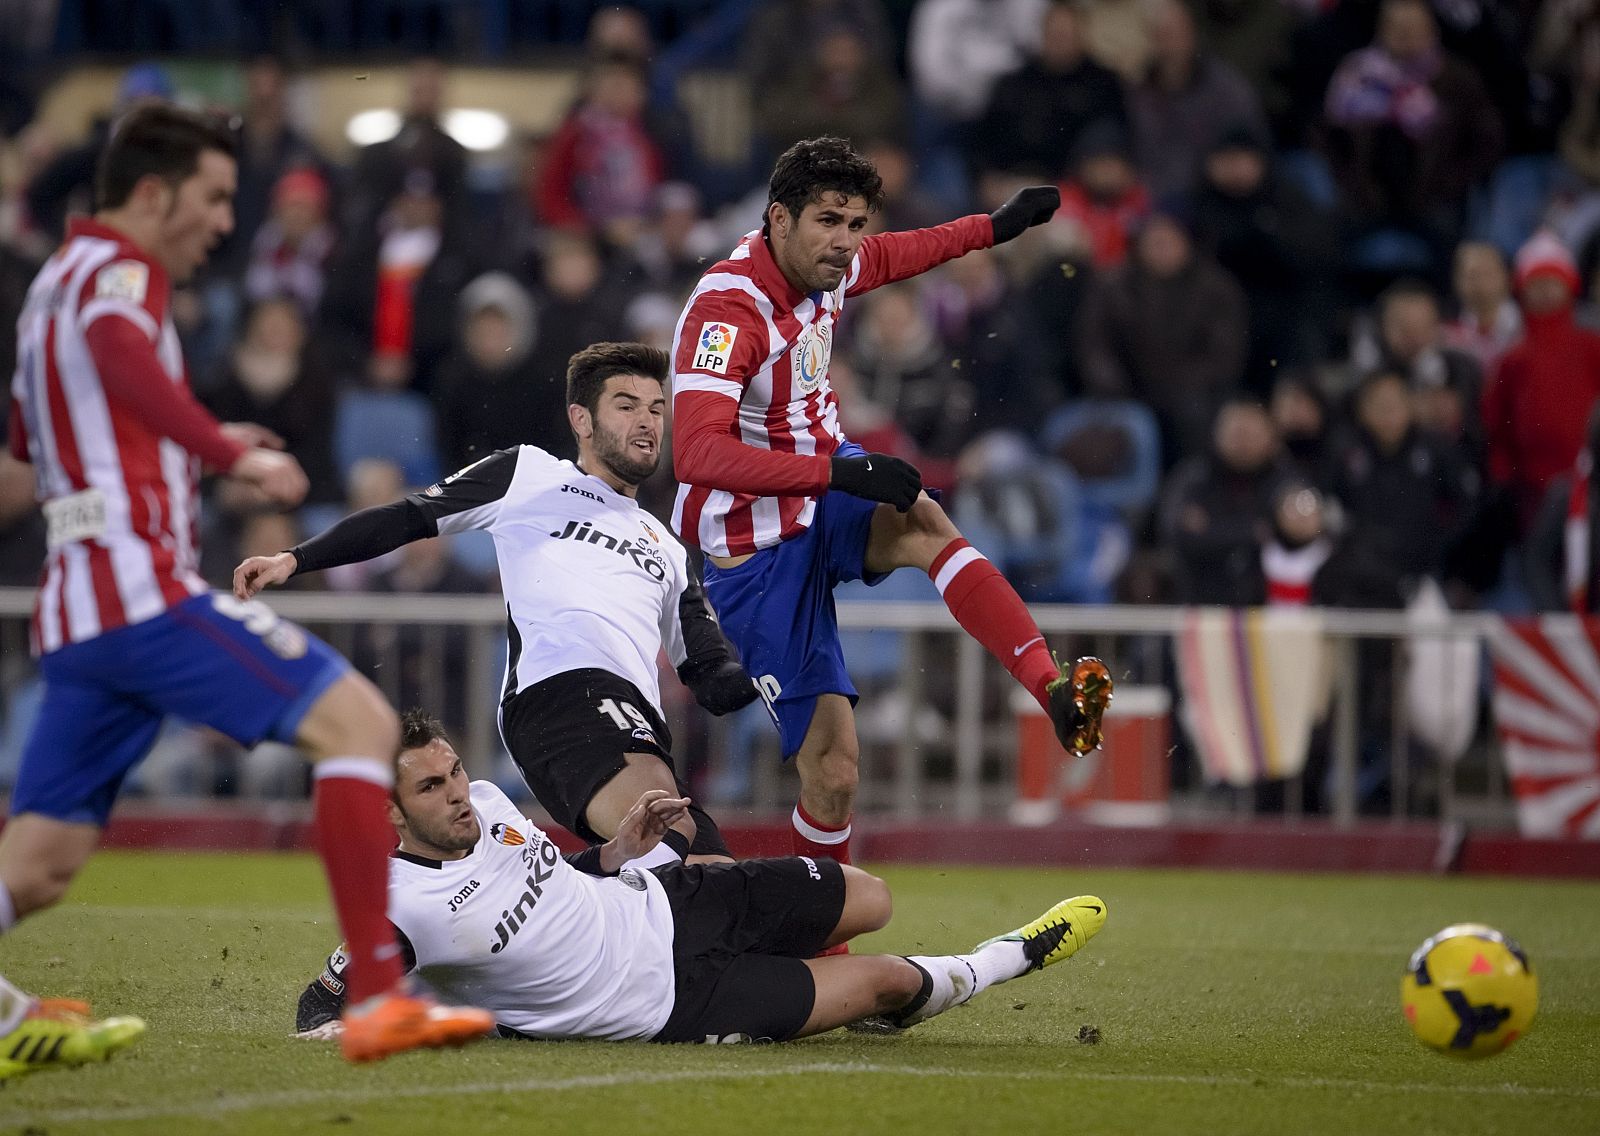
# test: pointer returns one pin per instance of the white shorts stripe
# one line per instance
(952, 567)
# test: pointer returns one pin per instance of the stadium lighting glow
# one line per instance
(477, 129)
(372, 126)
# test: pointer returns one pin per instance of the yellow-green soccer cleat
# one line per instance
(45, 1040)
(1078, 697)
(1059, 933)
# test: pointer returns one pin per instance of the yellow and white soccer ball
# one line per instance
(1469, 991)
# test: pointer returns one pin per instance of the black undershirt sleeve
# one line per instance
(364, 536)
(587, 861)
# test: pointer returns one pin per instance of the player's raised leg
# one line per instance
(988, 608)
(611, 802)
(352, 735)
(829, 766)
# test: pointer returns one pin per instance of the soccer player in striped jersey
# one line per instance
(124, 628)
(785, 507)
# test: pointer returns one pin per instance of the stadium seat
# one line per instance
(397, 426)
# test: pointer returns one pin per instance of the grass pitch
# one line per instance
(1224, 1003)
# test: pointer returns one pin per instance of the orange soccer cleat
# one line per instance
(1079, 696)
(397, 1021)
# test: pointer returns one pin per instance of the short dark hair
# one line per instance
(588, 370)
(418, 728)
(156, 139)
(808, 169)
(1407, 288)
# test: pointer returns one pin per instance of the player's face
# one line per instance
(628, 425)
(435, 807)
(200, 215)
(815, 249)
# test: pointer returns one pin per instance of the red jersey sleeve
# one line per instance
(721, 344)
(17, 434)
(887, 257)
(136, 384)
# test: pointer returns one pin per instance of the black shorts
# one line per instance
(572, 732)
(741, 933)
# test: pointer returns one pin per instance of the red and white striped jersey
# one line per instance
(120, 497)
(754, 417)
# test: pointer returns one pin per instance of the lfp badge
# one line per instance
(714, 347)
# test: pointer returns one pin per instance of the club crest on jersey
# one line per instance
(124, 280)
(714, 347)
(808, 361)
(506, 835)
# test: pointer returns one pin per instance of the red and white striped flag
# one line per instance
(1547, 710)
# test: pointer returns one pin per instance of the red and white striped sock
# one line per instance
(989, 609)
(354, 838)
(813, 838)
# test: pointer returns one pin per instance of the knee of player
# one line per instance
(41, 886)
(839, 771)
(928, 518)
(876, 904)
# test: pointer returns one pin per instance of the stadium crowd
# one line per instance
(1314, 323)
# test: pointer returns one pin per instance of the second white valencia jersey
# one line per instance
(590, 579)
(545, 948)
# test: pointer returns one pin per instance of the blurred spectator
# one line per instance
(874, 426)
(1102, 200)
(394, 295)
(1407, 493)
(672, 251)
(1410, 340)
(382, 419)
(1184, 103)
(602, 166)
(1036, 114)
(619, 31)
(289, 255)
(273, 378)
(1253, 37)
(845, 91)
(992, 342)
(490, 397)
(1300, 412)
(383, 169)
(29, 152)
(1537, 405)
(958, 49)
(1273, 241)
(1562, 561)
(1170, 329)
(1580, 133)
(269, 148)
(577, 305)
(1489, 321)
(1217, 509)
(905, 204)
(781, 33)
(369, 482)
(66, 185)
(1411, 128)
(902, 366)
(22, 530)
(1297, 546)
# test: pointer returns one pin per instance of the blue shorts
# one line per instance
(777, 608)
(235, 667)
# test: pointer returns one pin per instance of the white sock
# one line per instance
(661, 854)
(14, 1006)
(8, 910)
(954, 980)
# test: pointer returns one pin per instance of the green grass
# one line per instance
(1226, 1003)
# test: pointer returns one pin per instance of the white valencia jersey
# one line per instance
(590, 579)
(545, 948)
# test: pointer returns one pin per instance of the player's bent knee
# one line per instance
(42, 885)
(838, 772)
(871, 904)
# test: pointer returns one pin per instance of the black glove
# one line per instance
(721, 687)
(1028, 207)
(878, 477)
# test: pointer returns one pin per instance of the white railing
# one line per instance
(1127, 636)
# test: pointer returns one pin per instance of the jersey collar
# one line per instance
(89, 227)
(770, 278)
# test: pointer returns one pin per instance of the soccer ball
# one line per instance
(1469, 991)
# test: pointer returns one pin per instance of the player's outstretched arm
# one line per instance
(1030, 206)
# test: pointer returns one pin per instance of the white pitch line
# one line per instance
(299, 1099)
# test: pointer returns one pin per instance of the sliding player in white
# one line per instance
(595, 589)
(593, 945)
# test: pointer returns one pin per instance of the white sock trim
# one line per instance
(818, 835)
(355, 769)
(952, 567)
(14, 1006)
(8, 910)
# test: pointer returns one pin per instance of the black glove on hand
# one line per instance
(878, 477)
(721, 688)
(1028, 207)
